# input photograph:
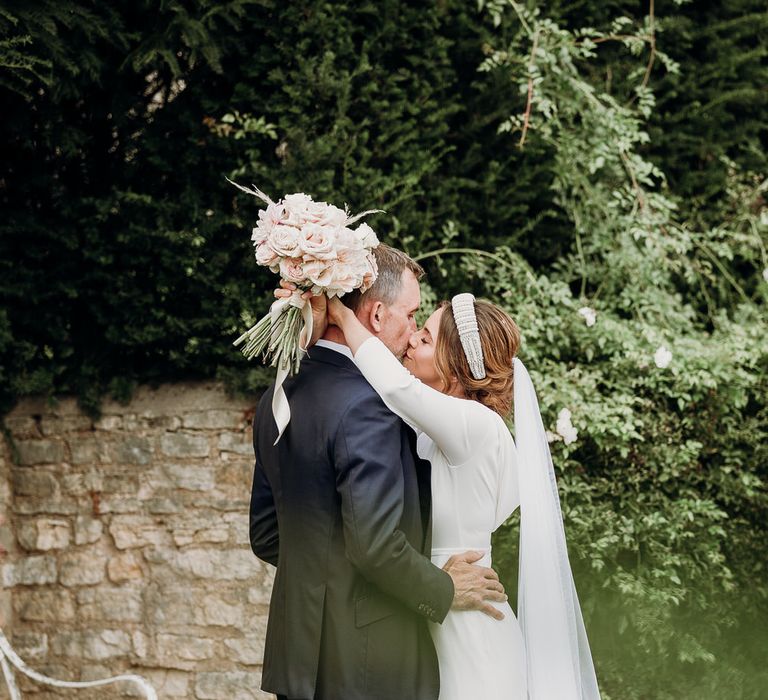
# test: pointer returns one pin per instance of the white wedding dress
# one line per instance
(474, 490)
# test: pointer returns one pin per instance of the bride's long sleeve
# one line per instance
(457, 426)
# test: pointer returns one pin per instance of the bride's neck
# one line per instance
(455, 389)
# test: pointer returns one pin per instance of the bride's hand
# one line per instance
(355, 333)
(337, 313)
(319, 304)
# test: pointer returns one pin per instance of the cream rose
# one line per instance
(265, 255)
(346, 278)
(259, 235)
(367, 236)
(273, 214)
(269, 218)
(328, 215)
(348, 245)
(284, 240)
(297, 208)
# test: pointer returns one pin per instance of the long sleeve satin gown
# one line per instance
(474, 490)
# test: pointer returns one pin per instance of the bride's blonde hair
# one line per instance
(500, 340)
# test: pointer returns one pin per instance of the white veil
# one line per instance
(558, 659)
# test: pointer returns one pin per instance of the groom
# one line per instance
(341, 506)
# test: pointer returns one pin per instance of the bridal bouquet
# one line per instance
(312, 245)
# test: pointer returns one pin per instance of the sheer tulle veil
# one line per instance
(558, 658)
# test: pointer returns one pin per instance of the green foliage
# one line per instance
(663, 480)
(712, 115)
(117, 264)
(42, 42)
(602, 156)
(707, 114)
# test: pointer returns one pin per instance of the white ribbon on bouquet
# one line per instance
(281, 410)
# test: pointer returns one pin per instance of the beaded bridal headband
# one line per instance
(466, 323)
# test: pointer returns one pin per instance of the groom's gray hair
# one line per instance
(391, 263)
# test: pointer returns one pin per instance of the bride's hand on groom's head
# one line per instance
(475, 587)
(336, 311)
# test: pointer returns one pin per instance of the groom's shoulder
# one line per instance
(344, 388)
(340, 383)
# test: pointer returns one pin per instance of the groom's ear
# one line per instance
(375, 317)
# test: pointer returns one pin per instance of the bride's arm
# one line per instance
(457, 426)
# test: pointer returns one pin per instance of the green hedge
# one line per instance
(124, 253)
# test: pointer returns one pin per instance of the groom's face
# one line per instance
(398, 320)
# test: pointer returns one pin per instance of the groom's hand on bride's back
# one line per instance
(475, 587)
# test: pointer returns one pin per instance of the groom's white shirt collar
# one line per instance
(338, 347)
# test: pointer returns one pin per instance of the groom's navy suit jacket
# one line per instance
(341, 506)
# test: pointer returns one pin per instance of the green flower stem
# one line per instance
(277, 343)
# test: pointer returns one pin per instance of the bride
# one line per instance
(459, 379)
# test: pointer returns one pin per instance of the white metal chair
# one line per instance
(9, 657)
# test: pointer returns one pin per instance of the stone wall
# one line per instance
(125, 544)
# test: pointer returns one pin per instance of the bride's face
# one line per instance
(420, 356)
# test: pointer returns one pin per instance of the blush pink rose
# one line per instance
(319, 273)
(370, 274)
(292, 270)
(317, 242)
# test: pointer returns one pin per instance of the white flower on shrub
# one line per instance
(565, 428)
(765, 274)
(552, 437)
(662, 357)
(590, 315)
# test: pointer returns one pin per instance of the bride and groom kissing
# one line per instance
(378, 501)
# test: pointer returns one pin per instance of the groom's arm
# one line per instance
(370, 483)
(263, 514)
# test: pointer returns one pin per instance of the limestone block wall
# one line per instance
(125, 544)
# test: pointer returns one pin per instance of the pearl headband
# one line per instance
(466, 322)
